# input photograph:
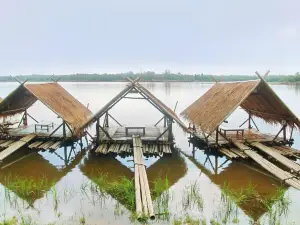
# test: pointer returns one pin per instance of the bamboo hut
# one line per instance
(72, 113)
(208, 116)
(111, 138)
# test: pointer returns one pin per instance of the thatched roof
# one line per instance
(61, 102)
(148, 96)
(54, 96)
(256, 97)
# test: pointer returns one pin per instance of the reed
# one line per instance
(192, 197)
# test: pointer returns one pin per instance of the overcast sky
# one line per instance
(189, 36)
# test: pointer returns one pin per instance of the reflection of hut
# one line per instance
(236, 177)
(172, 167)
(53, 96)
(30, 177)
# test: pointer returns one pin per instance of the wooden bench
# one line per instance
(136, 128)
(237, 130)
(44, 126)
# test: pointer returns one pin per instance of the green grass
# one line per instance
(162, 196)
(192, 197)
(188, 220)
(12, 221)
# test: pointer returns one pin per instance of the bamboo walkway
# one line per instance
(15, 146)
(284, 176)
(44, 145)
(143, 199)
(276, 155)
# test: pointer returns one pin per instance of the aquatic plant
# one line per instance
(192, 197)
(162, 196)
(188, 220)
(12, 221)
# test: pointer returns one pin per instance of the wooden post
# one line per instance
(217, 135)
(249, 121)
(165, 122)
(284, 133)
(107, 124)
(64, 129)
(170, 124)
(97, 132)
(25, 122)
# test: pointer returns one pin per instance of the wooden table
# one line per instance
(131, 128)
(43, 126)
(238, 130)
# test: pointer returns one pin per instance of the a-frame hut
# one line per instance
(209, 113)
(72, 113)
(117, 139)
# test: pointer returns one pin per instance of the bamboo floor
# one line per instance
(23, 131)
(127, 149)
(13, 147)
(284, 176)
(251, 135)
(118, 134)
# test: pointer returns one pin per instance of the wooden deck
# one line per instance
(283, 175)
(250, 135)
(118, 134)
(127, 149)
(30, 129)
(16, 146)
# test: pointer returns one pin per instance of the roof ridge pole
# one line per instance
(264, 77)
(214, 78)
(20, 82)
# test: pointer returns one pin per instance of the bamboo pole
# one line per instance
(138, 201)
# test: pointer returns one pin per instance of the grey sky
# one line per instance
(191, 36)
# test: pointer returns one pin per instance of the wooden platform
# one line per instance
(250, 135)
(16, 146)
(284, 176)
(293, 166)
(118, 134)
(126, 148)
(30, 129)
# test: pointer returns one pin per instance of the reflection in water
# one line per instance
(167, 87)
(171, 168)
(32, 175)
(234, 179)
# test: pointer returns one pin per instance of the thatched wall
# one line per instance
(61, 102)
(256, 97)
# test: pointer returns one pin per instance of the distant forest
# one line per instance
(149, 76)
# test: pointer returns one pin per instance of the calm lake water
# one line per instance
(72, 198)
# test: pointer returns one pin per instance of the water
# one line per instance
(68, 194)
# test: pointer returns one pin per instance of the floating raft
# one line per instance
(147, 149)
(16, 146)
(143, 201)
(284, 176)
(45, 145)
(276, 155)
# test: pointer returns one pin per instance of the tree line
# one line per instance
(147, 76)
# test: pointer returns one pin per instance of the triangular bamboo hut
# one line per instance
(105, 133)
(257, 98)
(73, 113)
